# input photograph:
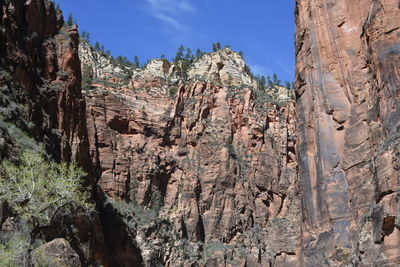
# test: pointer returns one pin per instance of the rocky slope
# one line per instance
(41, 105)
(206, 175)
(348, 113)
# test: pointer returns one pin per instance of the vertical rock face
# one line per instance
(348, 108)
(204, 171)
(40, 78)
(206, 175)
(41, 104)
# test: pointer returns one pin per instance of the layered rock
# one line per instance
(41, 104)
(225, 66)
(201, 168)
(348, 146)
(99, 65)
(41, 70)
(206, 175)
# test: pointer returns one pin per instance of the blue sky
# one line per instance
(262, 29)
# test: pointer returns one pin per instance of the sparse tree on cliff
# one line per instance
(261, 82)
(85, 35)
(70, 20)
(288, 85)
(216, 46)
(97, 46)
(136, 63)
(269, 81)
(179, 53)
(199, 53)
(188, 55)
(275, 79)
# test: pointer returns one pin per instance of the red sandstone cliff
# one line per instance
(205, 176)
(41, 102)
(41, 69)
(348, 113)
(204, 171)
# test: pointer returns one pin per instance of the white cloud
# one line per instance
(284, 66)
(167, 11)
(171, 6)
(171, 22)
(261, 70)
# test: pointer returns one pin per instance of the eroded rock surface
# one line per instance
(42, 107)
(348, 113)
(206, 175)
(57, 253)
(40, 80)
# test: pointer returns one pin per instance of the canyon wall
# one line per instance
(41, 78)
(42, 107)
(201, 171)
(348, 114)
(199, 167)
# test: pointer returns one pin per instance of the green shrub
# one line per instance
(6, 75)
(135, 214)
(14, 251)
(172, 91)
(36, 190)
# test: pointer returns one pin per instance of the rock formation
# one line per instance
(205, 175)
(56, 253)
(41, 70)
(193, 165)
(348, 113)
(41, 104)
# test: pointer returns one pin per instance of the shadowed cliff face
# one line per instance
(348, 113)
(206, 175)
(41, 104)
(40, 79)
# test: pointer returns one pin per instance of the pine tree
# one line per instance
(270, 83)
(199, 53)
(119, 60)
(188, 55)
(85, 35)
(214, 47)
(262, 82)
(275, 79)
(136, 63)
(218, 46)
(97, 46)
(288, 85)
(70, 20)
(179, 53)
